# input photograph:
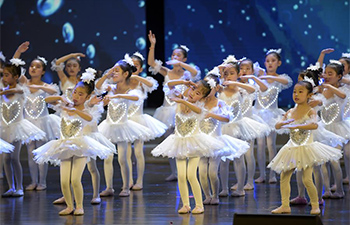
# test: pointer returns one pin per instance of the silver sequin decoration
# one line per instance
(34, 107)
(185, 127)
(330, 113)
(236, 110)
(299, 136)
(208, 125)
(10, 112)
(267, 98)
(70, 128)
(116, 112)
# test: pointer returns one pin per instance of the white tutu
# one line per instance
(104, 141)
(293, 156)
(157, 128)
(341, 128)
(271, 117)
(199, 145)
(166, 114)
(5, 147)
(57, 150)
(326, 137)
(246, 129)
(23, 131)
(50, 124)
(234, 148)
(128, 131)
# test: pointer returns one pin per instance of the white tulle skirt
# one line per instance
(50, 124)
(198, 145)
(234, 148)
(23, 131)
(341, 128)
(157, 128)
(104, 141)
(5, 147)
(246, 129)
(271, 117)
(83, 146)
(128, 131)
(326, 137)
(301, 157)
(166, 114)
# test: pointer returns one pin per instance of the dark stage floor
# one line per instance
(156, 204)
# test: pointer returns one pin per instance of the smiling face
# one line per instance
(301, 94)
(245, 68)
(272, 63)
(331, 77)
(72, 67)
(36, 68)
(80, 95)
(118, 74)
(178, 55)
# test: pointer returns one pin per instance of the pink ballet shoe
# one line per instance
(223, 193)
(272, 180)
(298, 201)
(31, 187)
(184, 210)
(108, 192)
(260, 180)
(198, 210)
(41, 187)
(137, 187)
(214, 201)
(66, 211)
(95, 201)
(172, 177)
(124, 193)
(79, 212)
(207, 201)
(327, 194)
(315, 211)
(59, 201)
(281, 210)
(234, 187)
(238, 193)
(248, 187)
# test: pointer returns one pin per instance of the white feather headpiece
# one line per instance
(185, 48)
(88, 75)
(2, 57)
(17, 62)
(211, 83)
(128, 60)
(42, 59)
(335, 61)
(310, 80)
(240, 60)
(230, 59)
(278, 51)
(345, 55)
(215, 71)
(138, 54)
(314, 67)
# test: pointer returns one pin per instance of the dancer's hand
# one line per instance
(152, 38)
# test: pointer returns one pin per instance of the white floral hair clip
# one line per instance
(335, 62)
(240, 60)
(88, 75)
(17, 62)
(278, 51)
(314, 67)
(215, 71)
(2, 57)
(230, 59)
(211, 83)
(310, 80)
(42, 59)
(345, 55)
(185, 48)
(128, 60)
(138, 54)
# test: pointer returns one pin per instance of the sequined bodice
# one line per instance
(300, 136)
(117, 111)
(35, 105)
(186, 126)
(210, 125)
(11, 109)
(71, 126)
(235, 102)
(267, 99)
(331, 112)
(135, 109)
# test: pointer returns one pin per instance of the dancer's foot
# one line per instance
(184, 210)
(214, 201)
(272, 180)
(8, 193)
(137, 187)
(108, 192)
(41, 187)
(59, 201)
(18, 193)
(198, 210)
(320, 202)
(248, 187)
(31, 187)
(346, 180)
(281, 210)
(66, 211)
(337, 195)
(298, 201)
(207, 201)
(334, 188)
(327, 194)
(238, 193)
(95, 201)
(223, 193)
(79, 212)
(172, 177)
(124, 193)
(315, 211)
(260, 180)
(234, 187)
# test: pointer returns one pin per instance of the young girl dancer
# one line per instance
(74, 149)
(218, 112)
(266, 107)
(240, 127)
(188, 144)
(14, 128)
(135, 113)
(116, 127)
(301, 152)
(180, 70)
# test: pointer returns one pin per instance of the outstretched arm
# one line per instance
(322, 54)
(61, 75)
(151, 59)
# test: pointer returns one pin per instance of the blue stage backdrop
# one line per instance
(107, 29)
(214, 29)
